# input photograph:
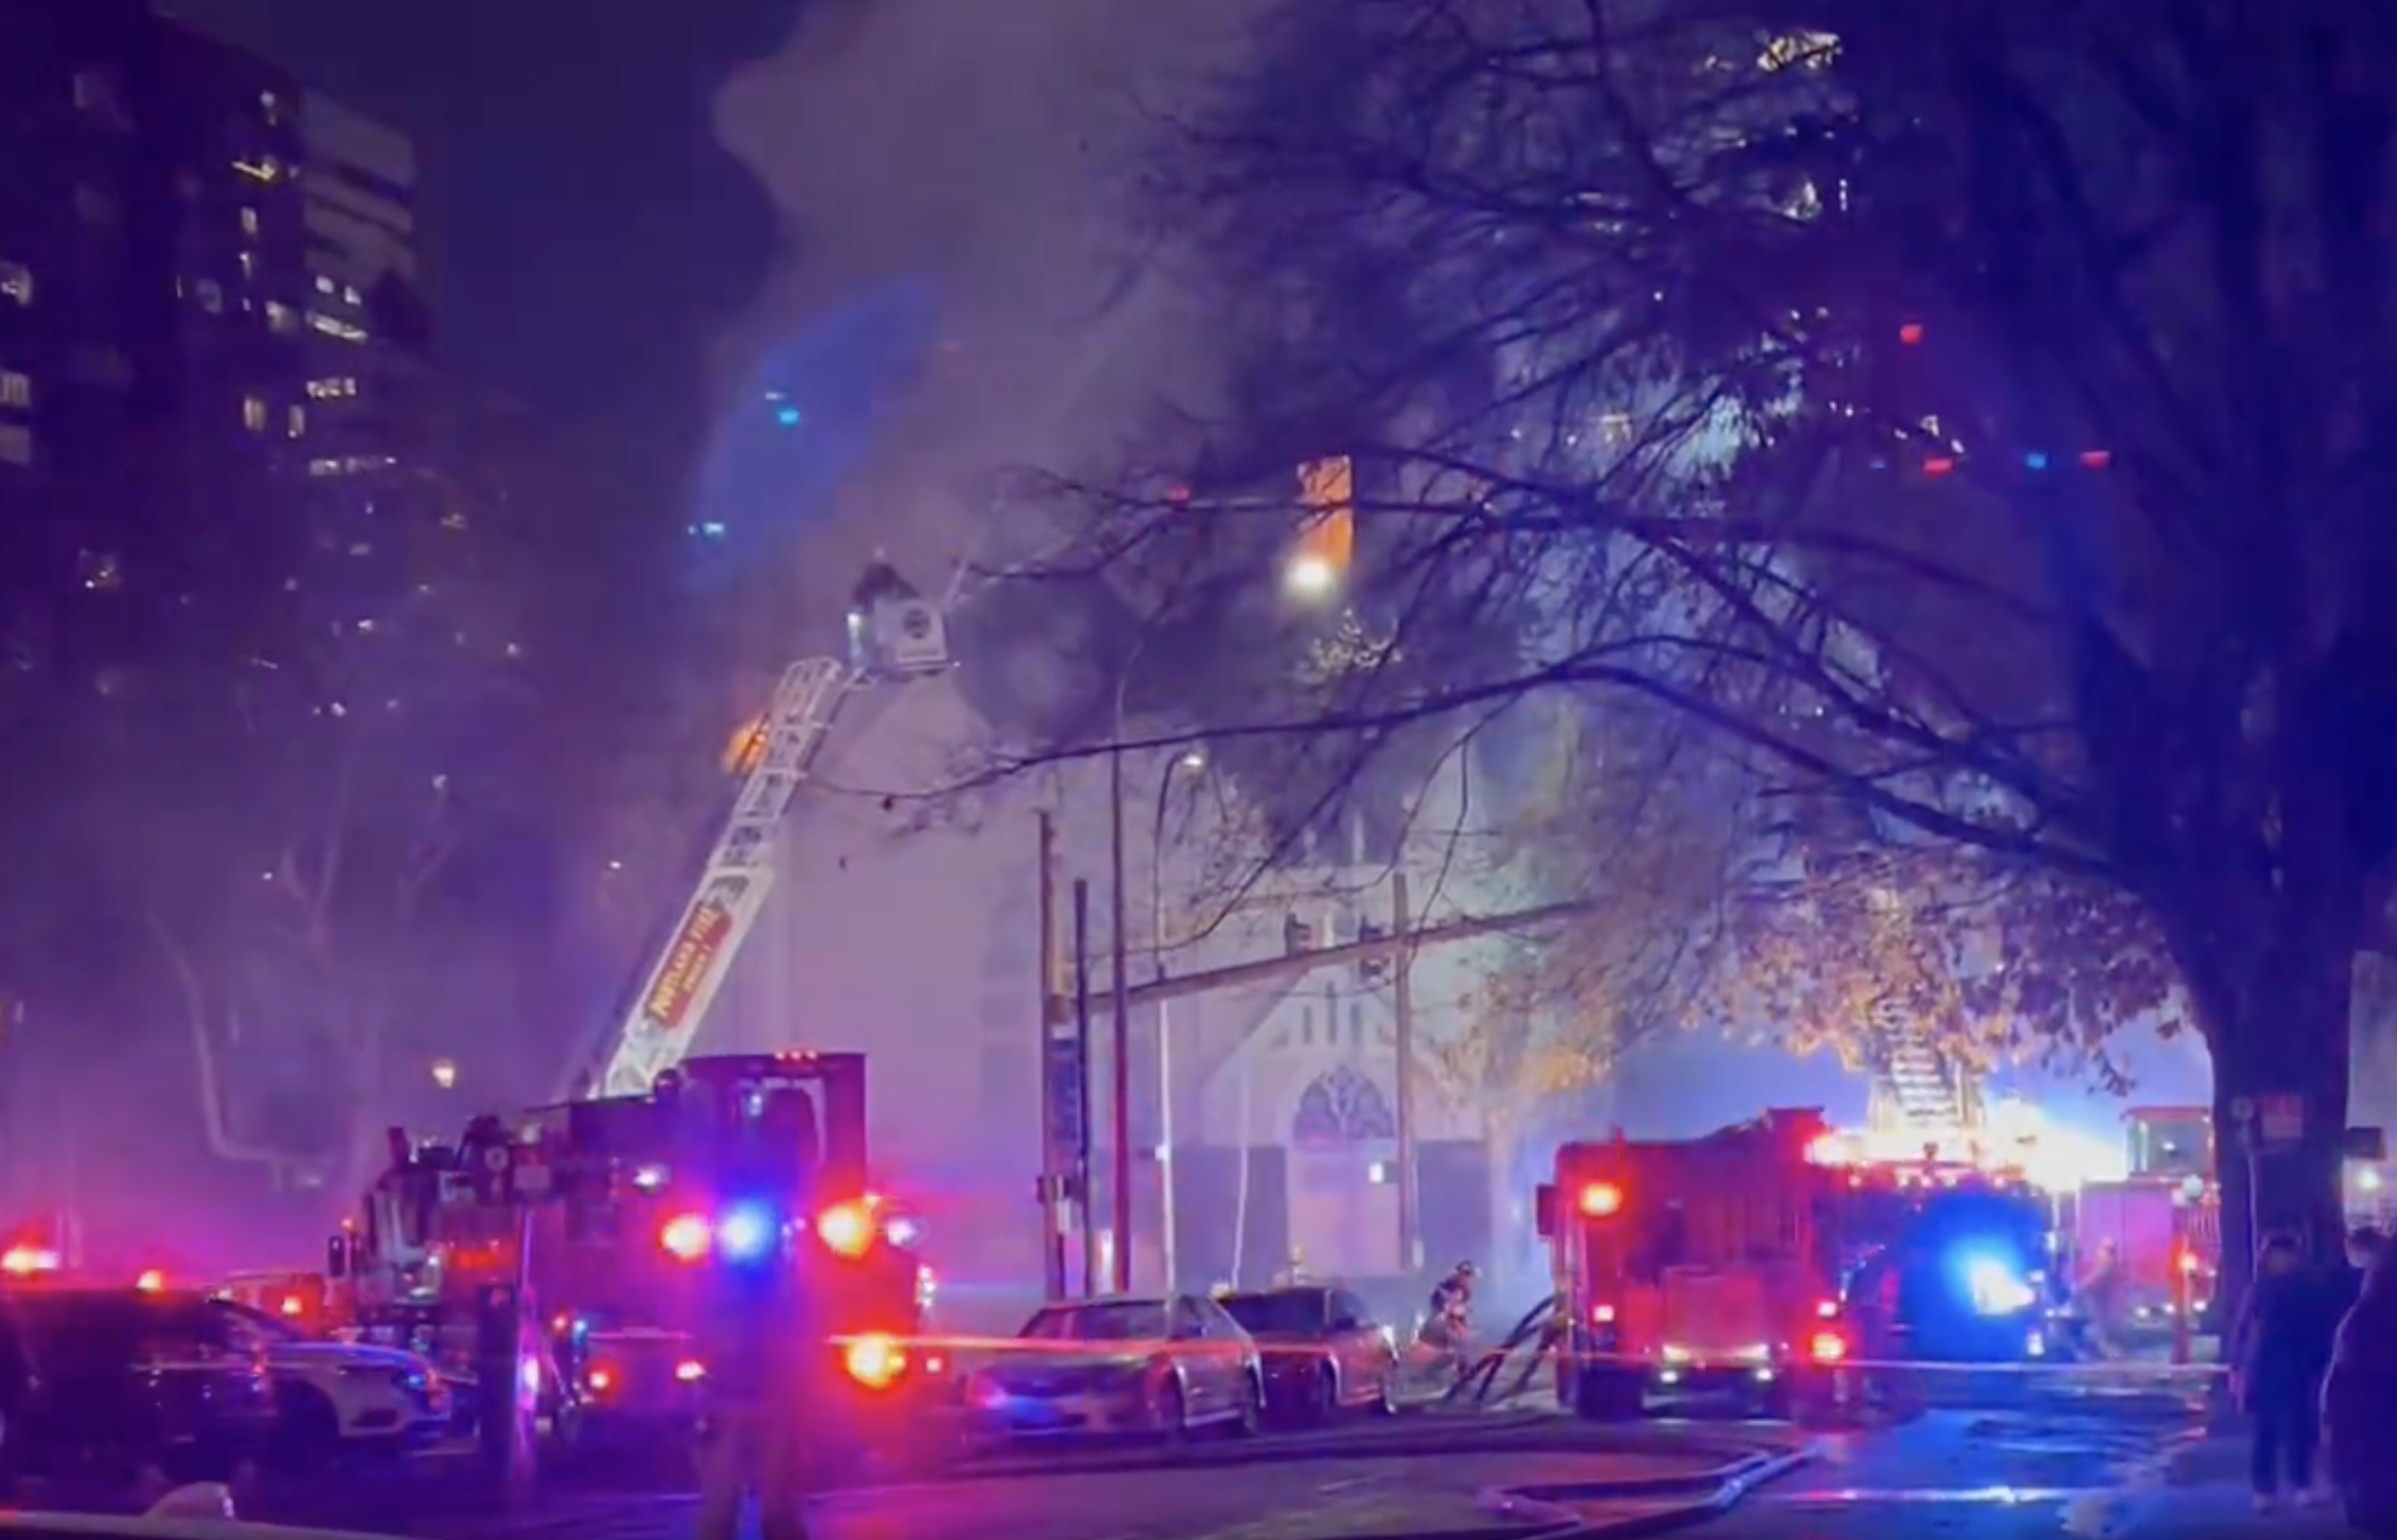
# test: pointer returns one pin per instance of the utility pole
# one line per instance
(1119, 1047)
(1081, 1178)
(1056, 1156)
(1402, 1020)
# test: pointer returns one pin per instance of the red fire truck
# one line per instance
(601, 1209)
(1696, 1262)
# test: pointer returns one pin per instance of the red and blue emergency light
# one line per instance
(750, 1232)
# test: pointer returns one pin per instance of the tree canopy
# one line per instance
(1976, 416)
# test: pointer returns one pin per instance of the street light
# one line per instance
(1310, 577)
(1190, 762)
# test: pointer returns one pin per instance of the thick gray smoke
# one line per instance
(982, 150)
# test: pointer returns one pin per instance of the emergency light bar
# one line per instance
(752, 1232)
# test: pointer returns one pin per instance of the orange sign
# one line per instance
(688, 964)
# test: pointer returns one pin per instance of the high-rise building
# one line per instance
(202, 265)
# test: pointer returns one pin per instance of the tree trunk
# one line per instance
(2277, 1022)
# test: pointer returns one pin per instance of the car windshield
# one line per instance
(1281, 1312)
(1123, 1321)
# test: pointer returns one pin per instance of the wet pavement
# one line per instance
(2054, 1458)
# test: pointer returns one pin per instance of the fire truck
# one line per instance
(1695, 1263)
(1769, 1257)
(600, 1212)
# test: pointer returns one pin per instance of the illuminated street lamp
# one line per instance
(445, 1073)
(1311, 577)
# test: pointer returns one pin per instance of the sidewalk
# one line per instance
(2197, 1486)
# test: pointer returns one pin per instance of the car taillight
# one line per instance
(1828, 1348)
(601, 1379)
(847, 1228)
(686, 1237)
(873, 1362)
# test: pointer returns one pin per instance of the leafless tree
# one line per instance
(1974, 413)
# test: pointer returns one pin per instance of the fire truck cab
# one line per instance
(607, 1213)
(1696, 1262)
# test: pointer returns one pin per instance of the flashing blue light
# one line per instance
(747, 1232)
(2037, 459)
(711, 530)
(1995, 1284)
(788, 417)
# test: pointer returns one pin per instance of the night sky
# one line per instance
(586, 236)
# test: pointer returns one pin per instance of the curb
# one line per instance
(1709, 1494)
(1395, 1440)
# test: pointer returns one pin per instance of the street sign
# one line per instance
(2280, 1119)
(1069, 1122)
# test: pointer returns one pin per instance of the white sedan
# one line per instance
(336, 1397)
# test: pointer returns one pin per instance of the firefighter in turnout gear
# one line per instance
(761, 1334)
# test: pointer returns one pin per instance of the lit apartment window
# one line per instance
(324, 285)
(249, 264)
(211, 295)
(16, 445)
(350, 296)
(17, 282)
(331, 390)
(249, 221)
(272, 105)
(99, 571)
(335, 326)
(264, 169)
(296, 420)
(253, 414)
(282, 316)
(16, 390)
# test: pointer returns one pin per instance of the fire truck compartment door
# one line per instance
(1716, 1317)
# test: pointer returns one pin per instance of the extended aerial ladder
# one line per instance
(894, 635)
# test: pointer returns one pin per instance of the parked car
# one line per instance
(1159, 1365)
(1323, 1352)
(337, 1397)
(113, 1381)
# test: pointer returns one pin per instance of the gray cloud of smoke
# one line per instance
(983, 148)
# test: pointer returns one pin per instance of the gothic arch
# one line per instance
(1342, 1107)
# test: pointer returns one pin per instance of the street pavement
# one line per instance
(2048, 1454)
(1425, 1473)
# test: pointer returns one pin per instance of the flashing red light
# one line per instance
(1939, 465)
(1829, 1346)
(2096, 459)
(1602, 1315)
(151, 1280)
(1910, 334)
(690, 1372)
(1600, 1200)
(1826, 1309)
(847, 1228)
(22, 1260)
(601, 1379)
(686, 1237)
(873, 1362)
(293, 1305)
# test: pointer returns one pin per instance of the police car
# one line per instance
(336, 1397)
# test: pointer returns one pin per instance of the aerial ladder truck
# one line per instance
(894, 635)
